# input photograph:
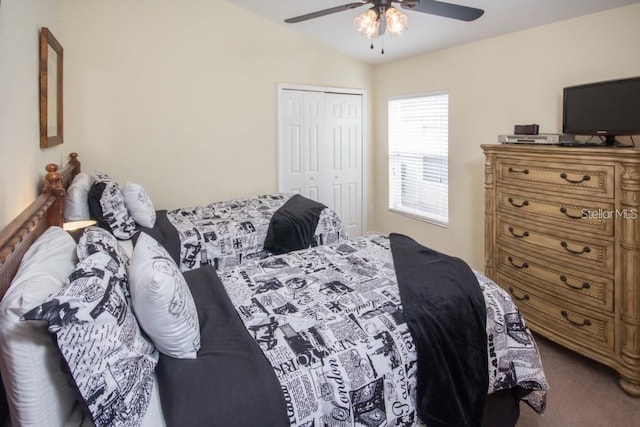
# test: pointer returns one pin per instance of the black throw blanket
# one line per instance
(293, 225)
(446, 315)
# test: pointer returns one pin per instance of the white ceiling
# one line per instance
(426, 33)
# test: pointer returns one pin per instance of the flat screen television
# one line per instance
(607, 109)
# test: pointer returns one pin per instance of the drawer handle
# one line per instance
(523, 298)
(564, 211)
(585, 285)
(584, 250)
(525, 234)
(523, 265)
(524, 171)
(566, 178)
(585, 322)
(524, 203)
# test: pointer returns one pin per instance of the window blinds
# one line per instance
(418, 156)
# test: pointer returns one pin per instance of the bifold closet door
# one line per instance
(320, 151)
(343, 166)
(302, 129)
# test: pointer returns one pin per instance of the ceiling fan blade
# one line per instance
(326, 12)
(448, 10)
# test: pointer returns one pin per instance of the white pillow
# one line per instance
(38, 391)
(162, 301)
(139, 204)
(76, 202)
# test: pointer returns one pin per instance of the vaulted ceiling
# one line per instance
(426, 32)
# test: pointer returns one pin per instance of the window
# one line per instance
(418, 156)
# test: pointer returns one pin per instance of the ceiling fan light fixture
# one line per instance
(396, 21)
(368, 23)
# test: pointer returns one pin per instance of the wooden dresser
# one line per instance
(562, 236)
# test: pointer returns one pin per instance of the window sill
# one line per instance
(439, 223)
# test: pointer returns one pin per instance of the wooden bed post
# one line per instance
(53, 186)
(73, 161)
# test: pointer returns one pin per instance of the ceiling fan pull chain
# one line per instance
(382, 47)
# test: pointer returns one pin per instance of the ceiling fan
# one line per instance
(372, 26)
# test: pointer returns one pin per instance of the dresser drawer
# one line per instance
(568, 178)
(586, 328)
(574, 214)
(585, 290)
(561, 246)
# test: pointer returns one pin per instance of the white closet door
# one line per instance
(290, 173)
(314, 134)
(343, 174)
(320, 151)
(302, 129)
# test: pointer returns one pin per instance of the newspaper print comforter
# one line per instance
(513, 354)
(329, 319)
(228, 233)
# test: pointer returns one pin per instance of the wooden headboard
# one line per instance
(46, 210)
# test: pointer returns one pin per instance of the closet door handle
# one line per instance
(566, 178)
(525, 297)
(524, 203)
(584, 250)
(523, 265)
(523, 171)
(564, 211)
(585, 322)
(585, 285)
(524, 234)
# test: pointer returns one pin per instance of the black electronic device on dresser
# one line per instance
(607, 109)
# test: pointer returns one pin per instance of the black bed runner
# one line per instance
(446, 315)
(231, 383)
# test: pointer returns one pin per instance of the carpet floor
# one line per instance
(581, 393)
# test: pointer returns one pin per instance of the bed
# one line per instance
(322, 324)
(228, 233)
(222, 234)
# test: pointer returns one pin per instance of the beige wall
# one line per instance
(182, 99)
(181, 96)
(494, 84)
(21, 159)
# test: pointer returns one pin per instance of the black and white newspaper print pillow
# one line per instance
(96, 239)
(107, 355)
(113, 211)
